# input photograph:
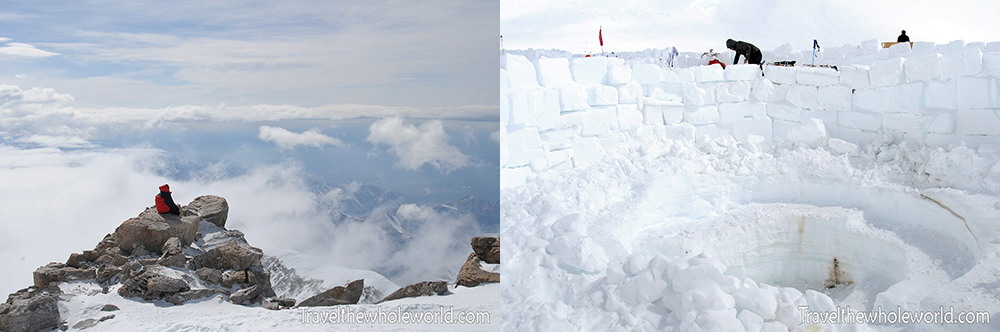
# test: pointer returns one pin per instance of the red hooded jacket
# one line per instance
(165, 203)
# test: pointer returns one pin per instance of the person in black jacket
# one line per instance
(903, 37)
(747, 50)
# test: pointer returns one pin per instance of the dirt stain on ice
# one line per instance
(954, 214)
(802, 229)
(837, 276)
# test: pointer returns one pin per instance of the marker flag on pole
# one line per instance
(600, 36)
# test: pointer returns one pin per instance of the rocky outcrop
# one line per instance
(53, 272)
(90, 322)
(487, 248)
(194, 294)
(339, 295)
(30, 309)
(152, 230)
(471, 274)
(274, 303)
(231, 256)
(248, 294)
(213, 209)
(209, 275)
(149, 285)
(426, 288)
(173, 255)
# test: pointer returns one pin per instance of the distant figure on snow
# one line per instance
(165, 203)
(903, 37)
(747, 50)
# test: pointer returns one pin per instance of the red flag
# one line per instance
(600, 36)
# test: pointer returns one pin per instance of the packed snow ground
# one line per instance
(83, 300)
(697, 236)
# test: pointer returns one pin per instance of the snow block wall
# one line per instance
(563, 111)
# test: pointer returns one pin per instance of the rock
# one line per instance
(106, 318)
(172, 247)
(129, 268)
(213, 209)
(210, 275)
(139, 250)
(47, 274)
(89, 255)
(258, 276)
(107, 243)
(149, 284)
(164, 284)
(471, 275)
(104, 260)
(109, 307)
(119, 260)
(30, 309)
(337, 295)
(153, 230)
(231, 256)
(250, 294)
(270, 305)
(274, 303)
(487, 248)
(85, 324)
(177, 260)
(426, 288)
(185, 296)
(76, 260)
(229, 278)
(107, 272)
(147, 261)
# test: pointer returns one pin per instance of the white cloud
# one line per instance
(287, 140)
(25, 50)
(56, 141)
(21, 75)
(417, 146)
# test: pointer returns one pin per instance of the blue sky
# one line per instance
(304, 53)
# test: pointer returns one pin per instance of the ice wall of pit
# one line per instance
(561, 111)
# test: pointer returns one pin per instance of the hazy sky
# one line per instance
(151, 54)
(697, 25)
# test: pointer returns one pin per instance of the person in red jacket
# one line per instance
(165, 203)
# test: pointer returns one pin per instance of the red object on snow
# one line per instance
(717, 62)
(600, 36)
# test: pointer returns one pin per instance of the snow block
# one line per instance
(992, 47)
(618, 75)
(543, 103)
(977, 93)
(666, 91)
(855, 76)
(922, 49)
(713, 73)
(887, 72)
(742, 72)
(955, 46)
(906, 98)
(785, 48)
(784, 111)
(732, 92)
(678, 75)
(761, 90)
(586, 151)
(699, 94)
(804, 96)
(811, 132)
(977, 122)
(701, 115)
(629, 93)
(554, 72)
(758, 126)
(835, 97)
(904, 123)
(599, 121)
(900, 50)
(924, 68)
(518, 107)
(871, 46)
(817, 76)
(504, 107)
(780, 129)
(652, 114)
(941, 95)
(968, 62)
(938, 122)
(520, 73)
(629, 117)
(646, 73)
(729, 113)
(859, 120)
(602, 95)
(514, 177)
(991, 63)
(573, 98)
(523, 147)
(780, 75)
(589, 71)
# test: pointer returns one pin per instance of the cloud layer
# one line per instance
(417, 146)
(287, 140)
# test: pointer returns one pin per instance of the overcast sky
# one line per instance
(697, 25)
(152, 54)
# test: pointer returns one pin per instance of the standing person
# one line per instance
(903, 37)
(165, 203)
(747, 50)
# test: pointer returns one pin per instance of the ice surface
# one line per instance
(520, 73)
(589, 71)
(704, 74)
(837, 98)
(923, 68)
(629, 93)
(859, 120)
(941, 95)
(803, 96)
(855, 76)
(781, 75)
(784, 111)
(885, 73)
(602, 95)
(554, 72)
(732, 92)
(812, 132)
(817, 76)
(976, 92)
(742, 72)
(977, 122)
(699, 94)
(701, 115)
(618, 75)
(645, 73)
